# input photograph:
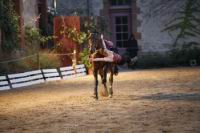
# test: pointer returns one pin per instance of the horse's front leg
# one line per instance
(111, 83)
(95, 74)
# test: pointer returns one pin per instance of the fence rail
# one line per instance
(25, 79)
(4, 84)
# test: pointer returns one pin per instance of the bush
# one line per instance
(153, 60)
(49, 61)
(26, 64)
(176, 57)
(32, 36)
(46, 60)
(184, 56)
(85, 58)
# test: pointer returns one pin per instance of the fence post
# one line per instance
(8, 79)
(60, 73)
(43, 75)
(74, 63)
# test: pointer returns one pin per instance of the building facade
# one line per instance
(31, 13)
(120, 16)
(145, 19)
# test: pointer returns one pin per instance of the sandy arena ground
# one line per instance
(145, 101)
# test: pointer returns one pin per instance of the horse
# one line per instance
(102, 68)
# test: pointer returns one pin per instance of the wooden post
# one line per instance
(59, 72)
(74, 62)
(10, 84)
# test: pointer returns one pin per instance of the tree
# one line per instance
(9, 25)
(186, 23)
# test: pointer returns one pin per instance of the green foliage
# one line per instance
(9, 25)
(82, 37)
(79, 37)
(187, 23)
(85, 58)
(94, 24)
(33, 38)
(76, 36)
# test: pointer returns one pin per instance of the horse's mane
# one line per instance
(96, 42)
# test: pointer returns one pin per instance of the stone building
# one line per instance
(146, 19)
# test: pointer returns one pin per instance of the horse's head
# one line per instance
(95, 43)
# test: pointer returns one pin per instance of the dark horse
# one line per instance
(102, 68)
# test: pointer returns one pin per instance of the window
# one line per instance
(122, 32)
(121, 21)
(120, 2)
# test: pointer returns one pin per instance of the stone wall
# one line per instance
(151, 18)
(69, 7)
(154, 15)
(82, 7)
(96, 7)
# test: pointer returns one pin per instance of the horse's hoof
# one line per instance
(95, 97)
(110, 96)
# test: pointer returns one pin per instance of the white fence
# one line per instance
(4, 84)
(40, 76)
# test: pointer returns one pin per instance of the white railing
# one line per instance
(40, 76)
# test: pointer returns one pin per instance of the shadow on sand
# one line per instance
(174, 96)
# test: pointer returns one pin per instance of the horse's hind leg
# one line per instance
(104, 80)
(95, 73)
(111, 84)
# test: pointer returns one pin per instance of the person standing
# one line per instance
(132, 50)
(132, 46)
